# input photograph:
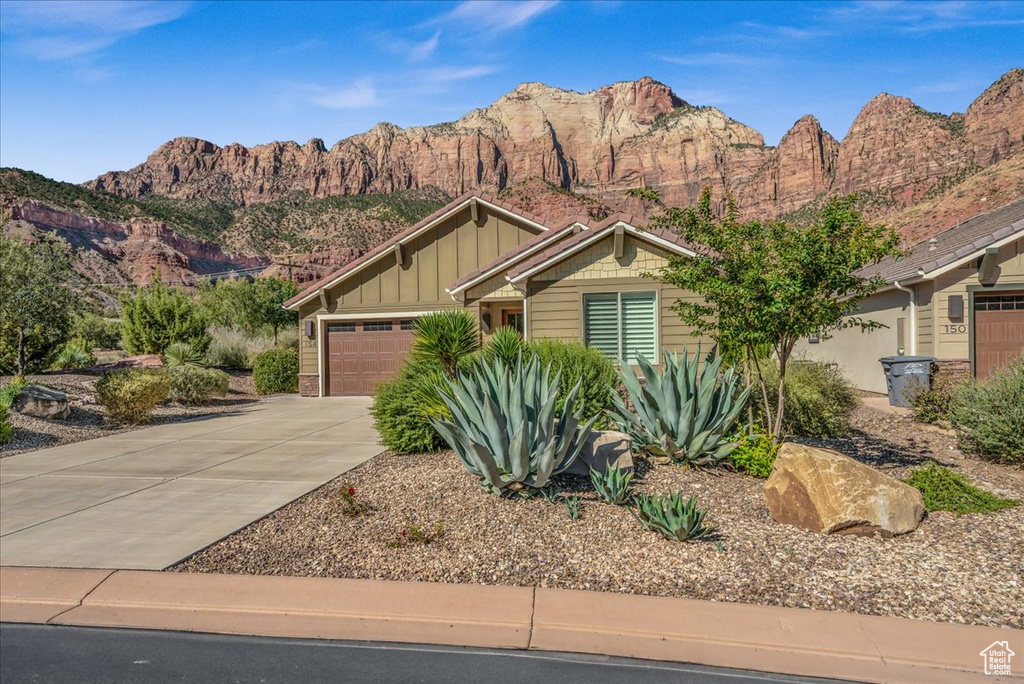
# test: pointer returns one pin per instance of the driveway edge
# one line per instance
(773, 639)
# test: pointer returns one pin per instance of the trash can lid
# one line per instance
(906, 359)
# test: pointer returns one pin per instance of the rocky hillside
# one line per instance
(604, 142)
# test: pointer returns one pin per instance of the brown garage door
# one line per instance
(998, 330)
(362, 353)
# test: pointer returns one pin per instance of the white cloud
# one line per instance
(498, 15)
(713, 59)
(361, 94)
(421, 51)
(61, 30)
(450, 74)
(922, 17)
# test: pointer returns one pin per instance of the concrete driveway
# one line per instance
(149, 498)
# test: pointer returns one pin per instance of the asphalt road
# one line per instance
(44, 654)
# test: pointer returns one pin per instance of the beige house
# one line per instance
(958, 297)
(574, 282)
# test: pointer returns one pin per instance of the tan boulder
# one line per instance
(602, 452)
(823, 491)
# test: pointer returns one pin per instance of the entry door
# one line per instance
(360, 354)
(998, 330)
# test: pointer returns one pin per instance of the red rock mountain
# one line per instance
(606, 141)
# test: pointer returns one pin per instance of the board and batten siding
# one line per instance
(555, 302)
(433, 261)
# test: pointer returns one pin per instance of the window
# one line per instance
(623, 325)
(341, 327)
(377, 326)
(998, 302)
(405, 325)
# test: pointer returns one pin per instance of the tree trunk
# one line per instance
(785, 349)
(764, 397)
(21, 352)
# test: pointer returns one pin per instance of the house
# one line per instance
(572, 282)
(958, 296)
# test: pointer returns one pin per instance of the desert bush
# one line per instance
(755, 455)
(5, 426)
(988, 415)
(100, 332)
(276, 371)
(10, 392)
(76, 353)
(288, 338)
(129, 396)
(819, 398)
(183, 354)
(583, 365)
(932, 405)
(192, 385)
(402, 414)
(946, 490)
(233, 348)
(159, 315)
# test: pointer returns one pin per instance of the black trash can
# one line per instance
(905, 375)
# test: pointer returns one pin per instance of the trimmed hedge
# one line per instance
(129, 396)
(276, 371)
(192, 385)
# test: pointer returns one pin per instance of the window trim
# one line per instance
(618, 317)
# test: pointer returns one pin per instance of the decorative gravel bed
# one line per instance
(967, 569)
(86, 419)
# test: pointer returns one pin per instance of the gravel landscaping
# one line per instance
(964, 569)
(86, 419)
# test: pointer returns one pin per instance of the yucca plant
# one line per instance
(445, 337)
(506, 344)
(504, 427)
(184, 354)
(613, 485)
(672, 516)
(76, 353)
(685, 410)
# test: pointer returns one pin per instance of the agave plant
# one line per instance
(672, 516)
(506, 344)
(445, 337)
(573, 506)
(612, 485)
(183, 354)
(685, 410)
(504, 428)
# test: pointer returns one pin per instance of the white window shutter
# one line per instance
(601, 323)
(639, 332)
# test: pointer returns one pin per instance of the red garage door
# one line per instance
(362, 353)
(998, 330)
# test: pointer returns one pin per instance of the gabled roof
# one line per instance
(949, 248)
(503, 261)
(584, 239)
(422, 226)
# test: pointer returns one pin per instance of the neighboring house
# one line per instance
(958, 297)
(572, 282)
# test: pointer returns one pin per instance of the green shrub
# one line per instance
(276, 371)
(76, 353)
(755, 455)
(100, 332)
(129, 396)
(988, 415)
(232, 348)
(183, 354)
(946, 490)
(10, 392)
(506, 344)
(401, 413)
(819, 399)
(579, 364)
(192, 385)
(159, 315)
(5, 426)
(932, 405)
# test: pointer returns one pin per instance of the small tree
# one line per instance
(252, 306)
(766, 285)
(159, 315)
(35, 300)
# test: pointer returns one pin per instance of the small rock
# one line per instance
(42, 402)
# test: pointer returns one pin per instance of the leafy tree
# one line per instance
(252, 306)
(36, 301)
(159, 315)
(766, 285)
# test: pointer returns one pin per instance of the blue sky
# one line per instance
(91, 87)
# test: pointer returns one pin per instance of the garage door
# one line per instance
(362, 353)
(998, 330)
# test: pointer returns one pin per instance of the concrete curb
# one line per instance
(783, 640)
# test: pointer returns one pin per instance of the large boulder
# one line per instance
(823, 491)
(603, 451)
(42, 402)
